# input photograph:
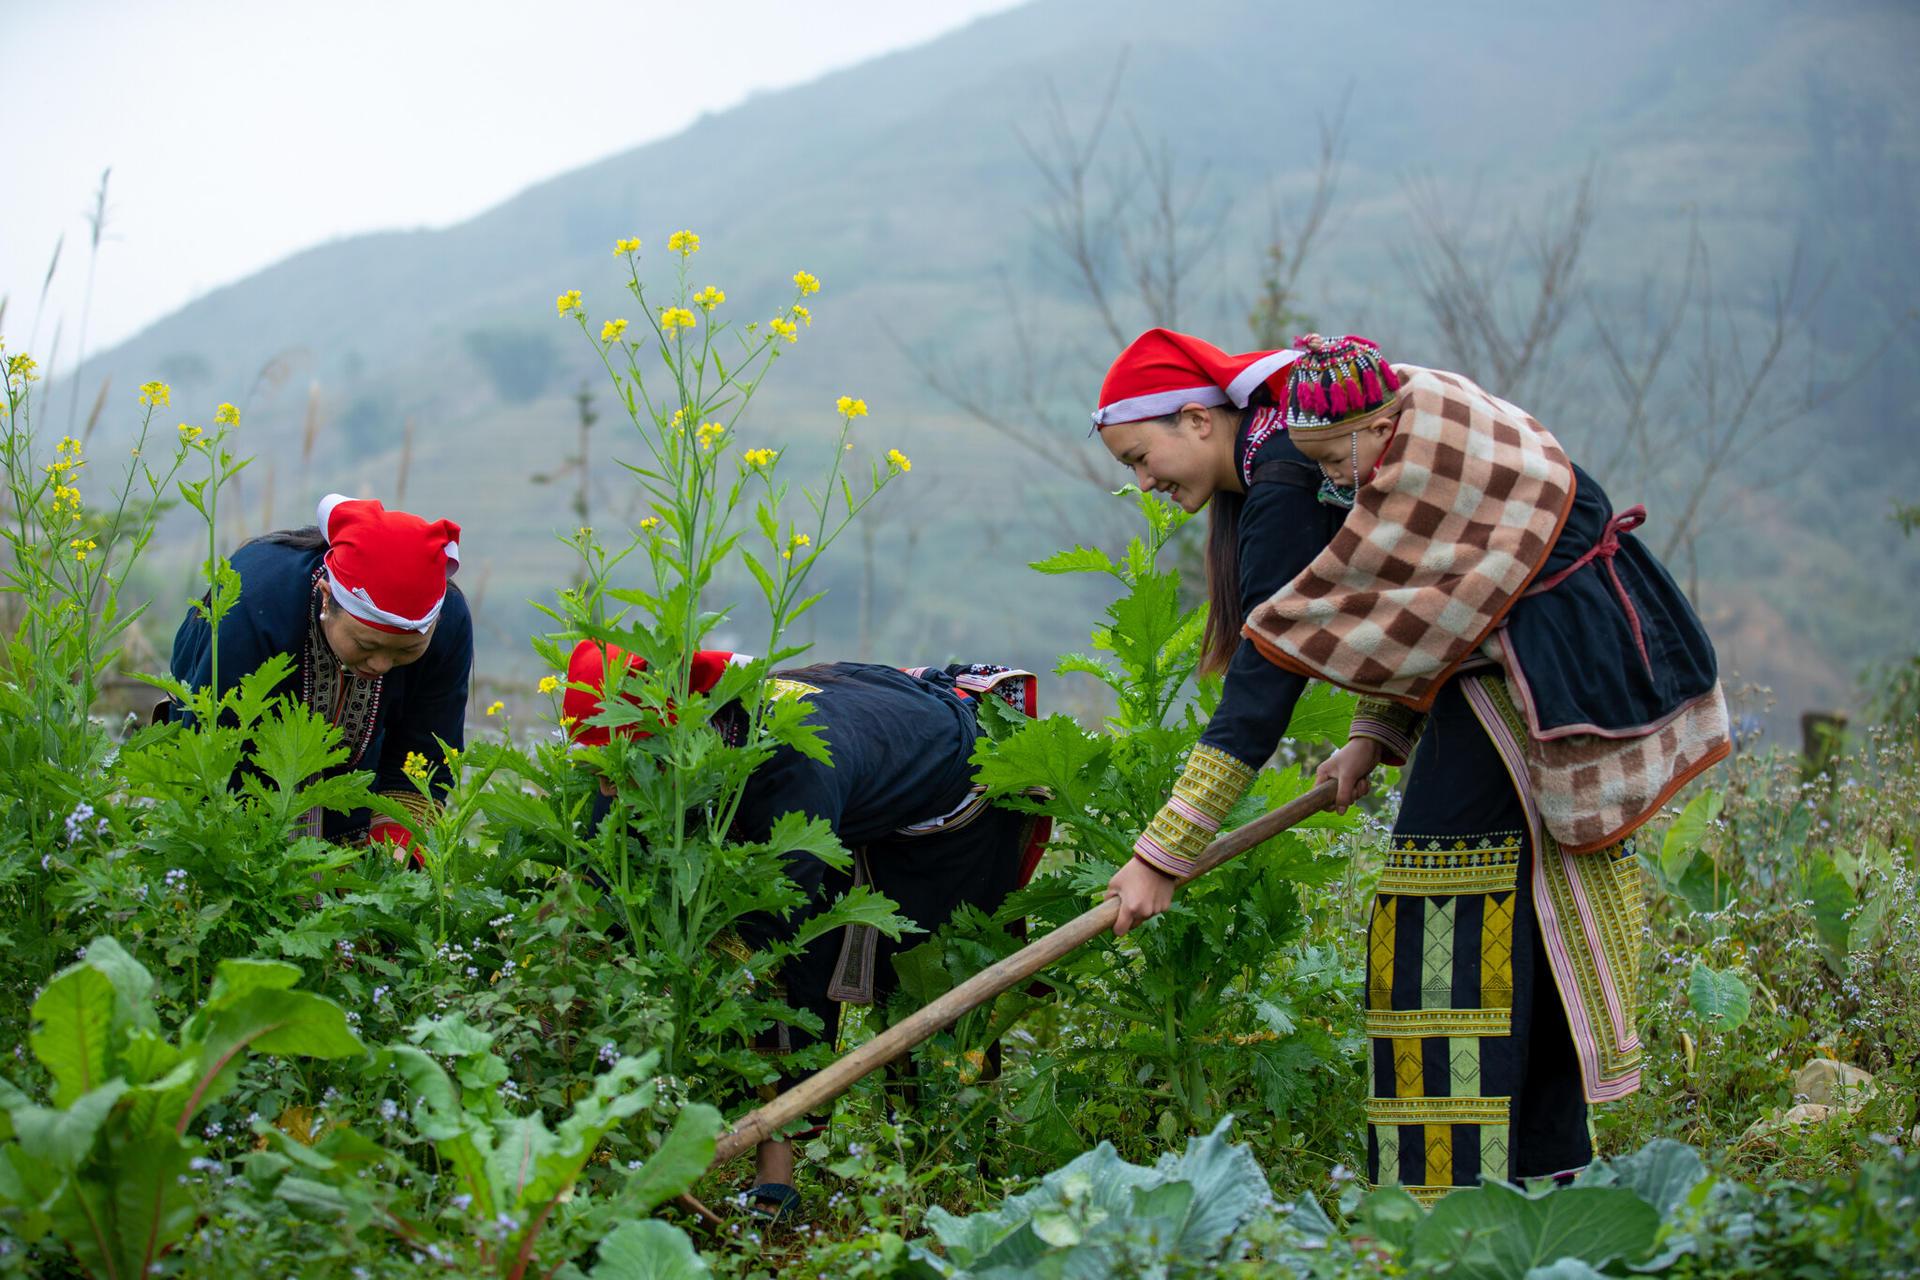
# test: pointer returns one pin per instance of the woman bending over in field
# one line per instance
(899, 794)
(380, 640)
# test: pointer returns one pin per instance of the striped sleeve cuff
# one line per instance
(1388, 723)
(1209, 787)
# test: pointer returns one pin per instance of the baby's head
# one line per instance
(1342, 401)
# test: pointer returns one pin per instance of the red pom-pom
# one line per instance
(1337, 400)
(1310, 342)
(1388, 377)
(1370, 385)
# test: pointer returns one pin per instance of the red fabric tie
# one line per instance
(1603, 550)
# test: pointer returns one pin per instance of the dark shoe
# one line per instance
(773, 1202)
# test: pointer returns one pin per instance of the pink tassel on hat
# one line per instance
(1388, 377)
(1370, 385)
(1337, 400)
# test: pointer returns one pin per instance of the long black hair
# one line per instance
(307, 539)
(1223, 581)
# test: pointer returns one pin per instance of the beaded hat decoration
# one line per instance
(1337, 385)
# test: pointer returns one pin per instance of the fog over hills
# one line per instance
(1775, 133)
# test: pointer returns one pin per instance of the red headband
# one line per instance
(387, 568)
(587, 685)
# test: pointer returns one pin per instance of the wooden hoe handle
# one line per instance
(837, 1077)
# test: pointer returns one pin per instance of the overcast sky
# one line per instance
(239, 131)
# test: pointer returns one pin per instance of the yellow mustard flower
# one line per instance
(567, 722)
(709, 298)
(549, 683)
(650, 522)
(567, 303)
(899, 461)
(673, 319)
(623, 247)
(708, 433)
(785, 328)
(81, 546)
(68, 447)
(806, 316)
(613, 330)
(684, 243)
(189, 434)
(806, 282)
(493, 708)
(226, 416)
(679, 416)
(760, 457)
(799, 540)
(156, 394)
(20, 369)
(415, 767)
(850, 407)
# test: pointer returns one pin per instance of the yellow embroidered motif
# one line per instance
(1380, 953)
(1496, 954)
(1408, 1079)
(780, 687)
(1439, 1155)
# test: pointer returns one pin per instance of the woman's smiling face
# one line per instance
(1188, 456)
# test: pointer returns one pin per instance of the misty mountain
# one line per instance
(1773, 137)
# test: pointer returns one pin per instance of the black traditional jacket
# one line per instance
(382, 718)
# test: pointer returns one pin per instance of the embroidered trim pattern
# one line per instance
(1267, 420)
(1210, 785)
(1438, 1110)
(349, 702)
(781, 687)
(1592, 913)
(1394, 727)
(1437, 866)
(1433, 1023)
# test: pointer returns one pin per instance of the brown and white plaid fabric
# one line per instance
(1458, 519)
(1593, 792)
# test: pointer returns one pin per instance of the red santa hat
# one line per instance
(587, 684)
(387, 568)
(1162, 371)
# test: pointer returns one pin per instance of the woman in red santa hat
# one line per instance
(1540, 673)
(1201, 426)
(381, 640)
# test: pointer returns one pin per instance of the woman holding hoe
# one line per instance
(1548, 682)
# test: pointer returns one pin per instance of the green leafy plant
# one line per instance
(678, 879)
(103, 1163)
(1198, 1001)
(507, 1205)
(1100, 1216)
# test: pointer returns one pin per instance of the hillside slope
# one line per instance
(905, 185)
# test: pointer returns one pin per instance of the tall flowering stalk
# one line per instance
(64, 561)
(715, 496)
(223, 582)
